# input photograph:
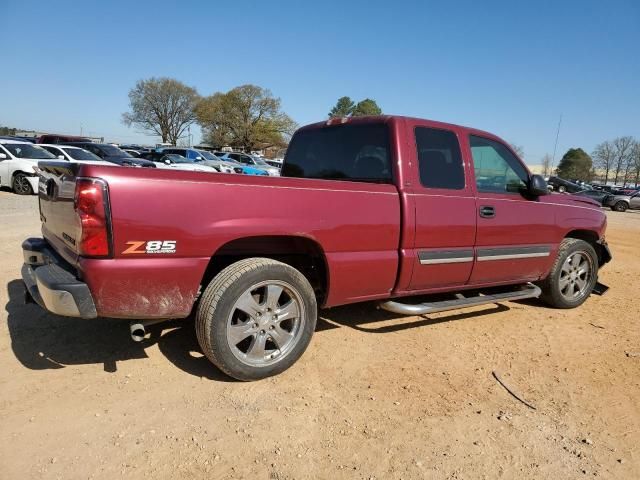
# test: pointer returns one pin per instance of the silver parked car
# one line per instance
(621, 203)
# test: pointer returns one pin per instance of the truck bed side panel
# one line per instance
(355, 224)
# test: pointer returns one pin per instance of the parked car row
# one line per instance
(19, 159)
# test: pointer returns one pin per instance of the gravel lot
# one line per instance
(375, 396)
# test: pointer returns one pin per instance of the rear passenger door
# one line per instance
(445, 211)
(516, 237)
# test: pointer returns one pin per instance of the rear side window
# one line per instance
(341, 152)
(439, 159)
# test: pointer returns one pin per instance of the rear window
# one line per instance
(342, 152)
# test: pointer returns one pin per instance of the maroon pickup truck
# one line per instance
(373, 208)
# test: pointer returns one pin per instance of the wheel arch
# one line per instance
(592, 238)
(301, 253)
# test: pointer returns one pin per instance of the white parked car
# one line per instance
(201, 157)
(74, 154)
(178, 162)
(18, 163)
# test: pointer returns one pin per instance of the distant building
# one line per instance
(35, 134)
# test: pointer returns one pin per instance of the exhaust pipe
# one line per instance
(139, 329)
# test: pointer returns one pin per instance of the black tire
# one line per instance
(21, 185)
(562, 189)
(620, 206)
(556, 282)
(219, 305)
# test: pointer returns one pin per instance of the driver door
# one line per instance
(515, 236)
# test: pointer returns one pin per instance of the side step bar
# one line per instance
(527, 291)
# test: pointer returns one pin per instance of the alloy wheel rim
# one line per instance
(265, 323)
(575, 276)
(21, 184)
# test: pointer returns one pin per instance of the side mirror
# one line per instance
(61, 157)
(167, 161)
(537, 186)
(198, 159)
(3, 156)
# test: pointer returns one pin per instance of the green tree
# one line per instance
(343, 108)
(576, 164)
(247, 116)
(163, 107)
(7, 131)
(366, 107)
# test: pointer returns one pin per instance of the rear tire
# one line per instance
(21, 184)
(562, 189)
(573, 275)
(620, 206)
(256, 318)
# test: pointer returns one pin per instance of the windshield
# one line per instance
(342, 152)
(27, 150)
(80, 154)
(208, 155)
(175, 158)
(260, 161)
(112, 151)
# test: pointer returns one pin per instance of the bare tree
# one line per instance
(635, 157)
(518, 149)
(622, 147)
(604, 158)
(546, 165)
(163, 107)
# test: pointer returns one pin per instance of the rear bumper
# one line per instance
(51, 282)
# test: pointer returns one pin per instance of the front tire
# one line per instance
(573, 275)
(21, 184)
(256, 318)
(620, 206)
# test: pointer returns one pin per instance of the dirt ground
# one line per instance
(374, 397)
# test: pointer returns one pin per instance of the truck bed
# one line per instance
(356, 226)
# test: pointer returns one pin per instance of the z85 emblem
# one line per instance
(152, 246)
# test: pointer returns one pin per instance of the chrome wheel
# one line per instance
(21, 185)
(575, 276)
(265, 323)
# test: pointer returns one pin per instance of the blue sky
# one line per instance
(508, 67)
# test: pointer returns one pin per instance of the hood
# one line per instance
(621, 197)
(572, 199)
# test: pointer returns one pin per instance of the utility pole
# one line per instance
(555, 147)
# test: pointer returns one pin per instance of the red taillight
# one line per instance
(90, 204)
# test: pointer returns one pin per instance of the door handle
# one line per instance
(487, 211)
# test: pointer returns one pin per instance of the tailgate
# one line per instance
(60, 223)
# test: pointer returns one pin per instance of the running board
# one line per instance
(528, 291)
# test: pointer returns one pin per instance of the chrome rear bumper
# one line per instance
(51, 283)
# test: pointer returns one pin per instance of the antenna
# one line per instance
(555, 147)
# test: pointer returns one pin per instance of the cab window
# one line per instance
(439, 159)
(497, 170)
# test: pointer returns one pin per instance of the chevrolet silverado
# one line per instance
(367, 209)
